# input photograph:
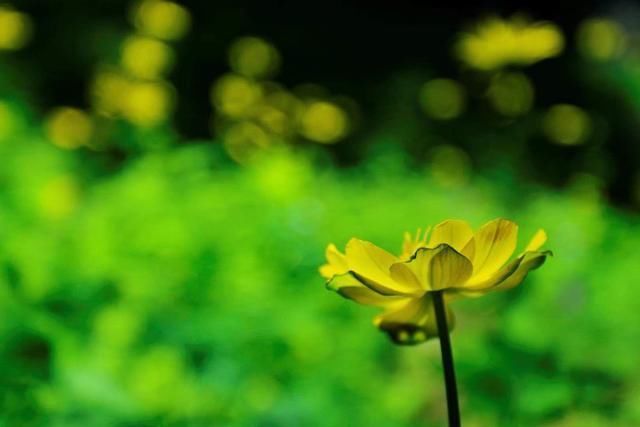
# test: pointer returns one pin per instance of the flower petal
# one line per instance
(336, 263)
(368, 259)
(494, 244)
(439, 268)
(537, 241)
(349, 287)
(510, 275)
(412, 321)
(370, 265)
(411, 243)
(449, 269)
(453, 232)
(530, 261)
(401, 273)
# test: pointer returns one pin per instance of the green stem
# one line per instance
(447, 360)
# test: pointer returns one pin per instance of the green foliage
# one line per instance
(151, 280)
(183, 290)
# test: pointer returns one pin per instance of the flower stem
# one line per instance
(447, 360)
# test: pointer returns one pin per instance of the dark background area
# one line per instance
(354, 50)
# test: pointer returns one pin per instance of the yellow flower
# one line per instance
(497, 42)
(451, 259)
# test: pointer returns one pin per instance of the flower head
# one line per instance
(449, 258)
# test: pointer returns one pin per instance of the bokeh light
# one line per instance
(442, 99)
(324, 122)
(148, 103)
(253, 57)
(601, 39)
(496, 42)
(273, 119)
(235, 96)
(161, 19)
(145, 57)
(586, 189)
(108, 91)
(15, 28)
(450, 166)
(511, 94)
(69, 128)
(566, 124)
(284, 101)
(244, 140)
(254, 114)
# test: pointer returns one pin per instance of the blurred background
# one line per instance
(170, 175)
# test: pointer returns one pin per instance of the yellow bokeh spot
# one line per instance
(162, 19)
(235, 96)
(15, 28)
(601, 39)
(273, 119)
(108, 91)
(566, 124)
(146, 57)
(586, 189)
(284, 101)
(450, 166)
(69, 128)
(511, 94)
(498, 42)
(253, 57)
(323, 122)
(442, 99)
(243, 140)
(59, 197)
(148, 103)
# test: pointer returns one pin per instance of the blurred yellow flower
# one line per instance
(69, 128)
(451, 259)
(498, 42)
(243, 140)
(442, 99)
(324, 122)
(450, 166)
(148, 103)
(511, 94)
(253, 57)
(601, 39)
(15, 28)
(566, 124)
(146, 57)
(162, 19)
(108, 90)
(235, 96)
